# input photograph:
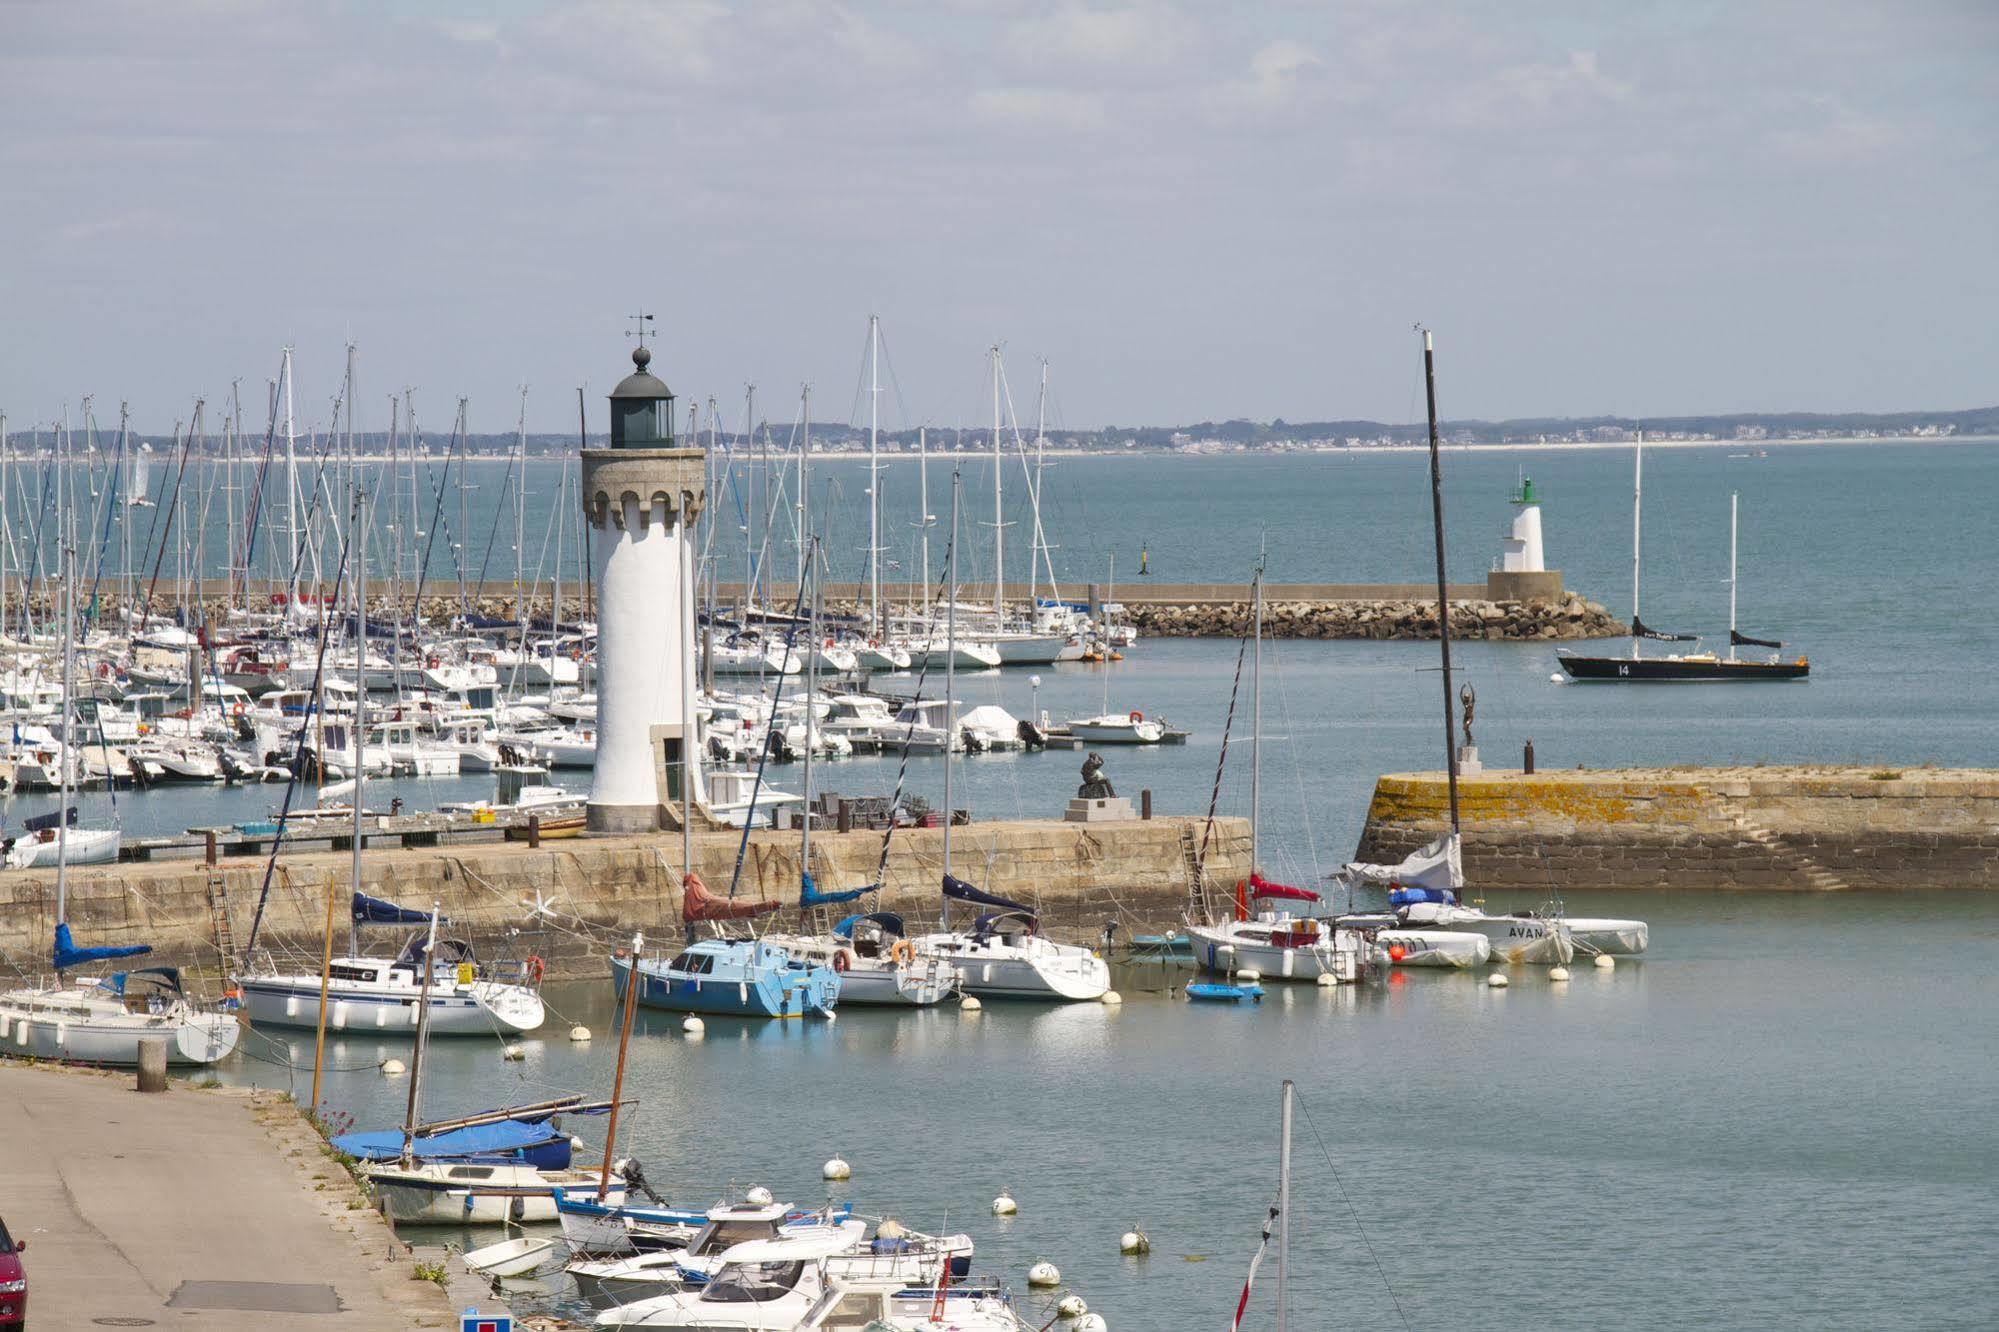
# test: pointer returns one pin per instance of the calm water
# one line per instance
(1785, 1115)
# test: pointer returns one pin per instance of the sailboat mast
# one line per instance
(291, 471)
(811, 689)
(1256, 721)
(749, 499)
(688, 738)
(422, 1031)
(950, 667)
(1733, 497)
(1637, 512)
(874, 477)
(357, 555)
(1284, 1208)
(1443, 589)
(804, 479)
(632, 983)
(923, 512)
(68, 730)
(999, 528)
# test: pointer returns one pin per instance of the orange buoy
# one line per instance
(1396, 953)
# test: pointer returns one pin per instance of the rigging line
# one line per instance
(500, 507)
(172, 507)
(298, 753)
(763, 752)
(1297, 760)
(1351, 1210)
(1222, 758)
(909, 733)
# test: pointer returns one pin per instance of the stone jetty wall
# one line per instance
(1569, 617)
(594, 892)
(1807, 829)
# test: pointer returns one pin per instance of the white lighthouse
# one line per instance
(1520, 549)
(641, 498)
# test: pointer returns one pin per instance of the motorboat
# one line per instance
(477, 1192)
(1131, 728)
(377, 994)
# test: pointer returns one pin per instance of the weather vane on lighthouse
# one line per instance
(641, 319)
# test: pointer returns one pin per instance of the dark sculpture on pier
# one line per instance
(1469, 697)
(1095, 785)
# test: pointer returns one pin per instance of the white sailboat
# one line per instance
(1004, 956)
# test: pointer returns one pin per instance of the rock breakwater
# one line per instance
(1568, 618)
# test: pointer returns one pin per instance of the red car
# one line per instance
(13, 1282)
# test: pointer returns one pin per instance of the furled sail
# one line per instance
(68, 955)
(1262, 887)
(1744, 640)
(374, 911)
(958, 890)
(1638, 630)
(810, 896)
(697, 904)
(1438, 867)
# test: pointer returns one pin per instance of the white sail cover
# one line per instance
(1438, 865)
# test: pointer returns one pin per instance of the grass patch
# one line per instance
(1883, 775)
(428, 1271)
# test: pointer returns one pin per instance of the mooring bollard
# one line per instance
(1145, 803)
(153, 1064)
(534, 832)
(1527, 759)
(210, 852)
(846, 816)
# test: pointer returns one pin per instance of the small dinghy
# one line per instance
(1225, 992)
(515, 1257)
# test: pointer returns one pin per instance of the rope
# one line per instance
(1352, 1211)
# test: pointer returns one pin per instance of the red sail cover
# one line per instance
(1262, 887)
(698, 904)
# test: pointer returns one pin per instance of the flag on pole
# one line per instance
(1254, 1263)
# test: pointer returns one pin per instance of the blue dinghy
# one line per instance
(1223, 992)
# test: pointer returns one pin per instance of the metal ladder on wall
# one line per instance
(218, 920)
(1197, 876)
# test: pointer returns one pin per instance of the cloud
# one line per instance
(1835, 134)
(1148, 34)
(1541, 86)
(1041, 108)
(1280, 74)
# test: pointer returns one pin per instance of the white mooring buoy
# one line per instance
(836, 1169)
(758, 1196)
(1558, 973)
(393, 1068)
(1004, 1205)
(579, 1032)
(1071, 1306)
(1134, 1241)
(1112, 997)
(970, 1004)
(1327, 980)
(513, 1054)
(1090, 1322)
(694, 1027)
(1605, 962)
(1044, 1273)
(1497, 980)
(1248, 976)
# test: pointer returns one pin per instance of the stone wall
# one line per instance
(597, 891)
(1793, 828)
(1569, 618)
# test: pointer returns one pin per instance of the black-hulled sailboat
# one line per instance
(1691, 667)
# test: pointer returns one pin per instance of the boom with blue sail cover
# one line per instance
(368, 910)
(960, 891)
(809, 895)
(68, 955)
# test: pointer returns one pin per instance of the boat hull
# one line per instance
(1052, 973)
(1448, 949)
(1269, 960)
(195, 1039)
(762, 997)
(470, 1193)
(1679, 670)
(475, 1010)
(1619, 938)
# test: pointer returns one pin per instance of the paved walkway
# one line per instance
(193, 1209)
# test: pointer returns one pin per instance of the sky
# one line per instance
(1191, 211)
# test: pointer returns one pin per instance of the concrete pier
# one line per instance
(1804, 829)
(596, 890)
(200, 1209)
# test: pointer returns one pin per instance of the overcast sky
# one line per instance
(1193, 211)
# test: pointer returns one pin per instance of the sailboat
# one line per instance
(438, 987)
(1271, 942)
(1005, 955)
(103, 1021)
(1685, 668)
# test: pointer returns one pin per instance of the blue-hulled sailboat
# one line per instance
(728, 977)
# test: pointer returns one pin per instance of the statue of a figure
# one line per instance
(1469, 697)
(1095, 785)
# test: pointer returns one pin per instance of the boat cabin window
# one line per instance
(351, 973)
(694, 964)
(471, 1172)
(722, 1235)
(744, 1283)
